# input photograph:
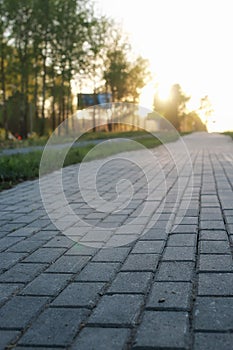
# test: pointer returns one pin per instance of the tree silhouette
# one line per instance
(174, 107)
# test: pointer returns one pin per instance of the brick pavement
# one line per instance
(168, 289)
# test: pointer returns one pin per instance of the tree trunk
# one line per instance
(5, 118)
(53, 101)
(42, 128)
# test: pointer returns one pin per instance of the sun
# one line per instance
(164, 91)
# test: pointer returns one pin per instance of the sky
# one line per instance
(187, 42)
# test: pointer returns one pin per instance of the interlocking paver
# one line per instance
(47, 284)
(55, 327)
(179, 254)
(98, 272)
(213, 235)
(7, 337)
(163, 329)
(138, 262)
(9, 259)
(121, 310)
(45, 255)
(68, 264)
(112, 255)
(182, 240)
(175, 271)
(214, 247)
(213, 314)
(213, 341)
(7, 289)
(215, 263)
(167, 285)
(215, 284)
(77, 294)
(170, 295)
(22, 273)
(148, 247)
(130, 282)
(18, 312)
(106, 338)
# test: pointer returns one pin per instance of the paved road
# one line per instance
(169, 287)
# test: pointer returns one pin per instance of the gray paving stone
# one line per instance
(77, 294)
(215, 284)
(212, 225)
(54, 327)
(179, 254)
(175, 271)
(112, 254)
(27, 308)
(213, 235)
(47, 284)
(7, 289)
(148, 247)
(185, 229)
(141, 262)
(22, 272)
(106, 338)
(170, 295)
(214, 247)
(229, 219)
(69, 264)
(45, 255)
(6, 242)
(9, 259)
(230, 228)
(10, 227)
(27, 246)
(213, 341)
(163, 330)
(213, 314)
(187, 220)
(213, 211)
(44, 235)
(154, 234)
(18, 347)
(7, 338)
(211, 216)
(213, 262)
(130, 282)
(60, 242)
(79, 249)
(98, 272)
(182, 240)
(113, 310)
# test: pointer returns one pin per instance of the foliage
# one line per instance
(124, 76)
(46, 46)
(175, 111)
(174, 108)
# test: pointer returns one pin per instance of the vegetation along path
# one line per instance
(164, 282)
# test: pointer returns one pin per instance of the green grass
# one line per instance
(228, 133)
(20, 167)
(41, 141)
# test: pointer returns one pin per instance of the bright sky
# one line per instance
(187, 42)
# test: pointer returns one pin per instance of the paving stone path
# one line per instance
(165, 289)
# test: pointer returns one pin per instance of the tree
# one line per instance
(174, 108)
(124, 76)
(206, 108)
(138, 77)
(45, 45)
(192, 122)
(3, 48)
